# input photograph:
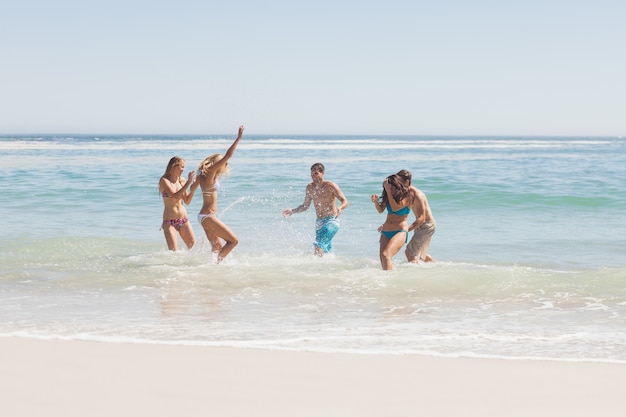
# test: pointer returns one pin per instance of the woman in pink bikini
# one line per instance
(209, 172)
(173, 189)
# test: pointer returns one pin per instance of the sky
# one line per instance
(533, 67)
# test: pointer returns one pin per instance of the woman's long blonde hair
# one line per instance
(209, 161)
(175, 161)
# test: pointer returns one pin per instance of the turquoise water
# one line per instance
(530, 246)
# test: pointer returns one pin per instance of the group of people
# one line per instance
(175, 191)
(398, 197)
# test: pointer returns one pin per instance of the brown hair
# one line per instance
(405, 174)
(400, 189)
(318, 166)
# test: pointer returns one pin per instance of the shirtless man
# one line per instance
(323, 194)
(424, 225)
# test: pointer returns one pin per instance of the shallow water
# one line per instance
(530, 247)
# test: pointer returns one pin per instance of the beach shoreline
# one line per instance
(72, 378)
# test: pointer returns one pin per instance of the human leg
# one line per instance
(186, 233)
(170, 236)
(384, 240)
(214, 240)
(412, 250)
(417, 249)
(389, 247)
(215, 230)
(424, 256)
(430, 227)
(325, 230)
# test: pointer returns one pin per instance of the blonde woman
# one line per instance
(173, 188)
(209, 172)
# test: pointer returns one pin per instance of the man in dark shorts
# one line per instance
(424, 225)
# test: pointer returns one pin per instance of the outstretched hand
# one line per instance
(240, 133)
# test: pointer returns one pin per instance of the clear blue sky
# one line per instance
(533, 67)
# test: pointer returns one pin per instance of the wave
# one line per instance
(124, 262)
(318, 143)
(123, 290)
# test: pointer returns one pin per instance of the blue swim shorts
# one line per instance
(325, 230)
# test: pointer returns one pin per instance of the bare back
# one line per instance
(420, 207)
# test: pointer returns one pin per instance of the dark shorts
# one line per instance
(421, 237)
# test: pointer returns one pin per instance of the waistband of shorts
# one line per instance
(327, 220)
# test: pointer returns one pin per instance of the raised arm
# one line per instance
(192, 188)
(231, 150)
(379, 206)
(395, 206)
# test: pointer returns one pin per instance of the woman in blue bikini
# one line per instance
(209, 173)
(395, 230)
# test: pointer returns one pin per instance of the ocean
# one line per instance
(530, 246)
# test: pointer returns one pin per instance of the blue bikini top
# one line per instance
(402, 212)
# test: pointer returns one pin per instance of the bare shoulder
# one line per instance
(333, 185)
(165, 182)
(417, 192)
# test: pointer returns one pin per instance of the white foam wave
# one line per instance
(297, 144)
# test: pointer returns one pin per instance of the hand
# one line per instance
(374, 198)
(287, 213)
(190, 176)
(240, 133)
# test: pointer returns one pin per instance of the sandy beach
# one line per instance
(74, 378)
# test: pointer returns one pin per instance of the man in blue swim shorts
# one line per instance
(323, 194)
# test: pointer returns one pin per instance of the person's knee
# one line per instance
(387, 255)
(411, 256)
